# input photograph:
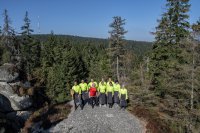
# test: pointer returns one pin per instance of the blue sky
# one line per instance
(91, 18)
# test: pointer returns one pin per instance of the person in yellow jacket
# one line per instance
(102, 92)
(123, 97)
(84, 92)
(109, 93)
(117, 88)
(91, 82)
(76, 95)
(109, 80)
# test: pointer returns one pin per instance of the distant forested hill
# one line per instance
(139, 47)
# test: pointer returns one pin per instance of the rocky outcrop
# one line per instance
(98, 120)
(8, 80)
(11, 104)
(7, 73)
(5, 105)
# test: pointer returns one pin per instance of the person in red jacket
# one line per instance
(93, 95)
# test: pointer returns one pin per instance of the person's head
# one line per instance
(123, 86)
(102, 79)
(75, 83)
(109, 79)
(82, 81)
(92, 80)
(116, 82)
(93, 85)
(110, 83)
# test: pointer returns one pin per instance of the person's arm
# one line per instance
(96, 85)
(119, 87)
(98, 88)
(98, 91)
(79, 91)
(80, 88)
(119, 93)
(106, 90)
(72, 92)
(126, 94)
(88, 86)
(89, 92)
(113, 91)
(97, 94)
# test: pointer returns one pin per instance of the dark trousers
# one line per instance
(116, 97)
(84, 97)
(123, 101)
(102, 99)
(93, 101)
(77, 100)
(110, 99)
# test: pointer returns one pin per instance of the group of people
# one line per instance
(104, 93)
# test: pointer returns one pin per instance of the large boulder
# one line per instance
(5, 105)
(7, 73)
(9, 79)
(11, 119)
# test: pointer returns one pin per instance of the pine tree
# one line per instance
(116, 46)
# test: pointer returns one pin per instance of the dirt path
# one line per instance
(99, 120)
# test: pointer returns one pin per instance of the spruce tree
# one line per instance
(30, 47)
(26, 29)
(166, 55)
(116, 46)
(7, 31)
(74, 66)
(195, 104)
(7, 38)
(170, 61)
(47, 52)
(67, 67)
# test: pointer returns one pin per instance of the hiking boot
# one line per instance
(76, 107)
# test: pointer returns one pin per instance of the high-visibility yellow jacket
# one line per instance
(110, 89)
(102, 87)
(108, 83)
(76, 89)
(83, 86)
(123, 91)
(90, 84)
(117, 87)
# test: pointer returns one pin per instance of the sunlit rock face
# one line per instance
(9, 79)
(7, 73)
(10, 101)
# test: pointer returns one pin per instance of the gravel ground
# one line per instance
(99, 120)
